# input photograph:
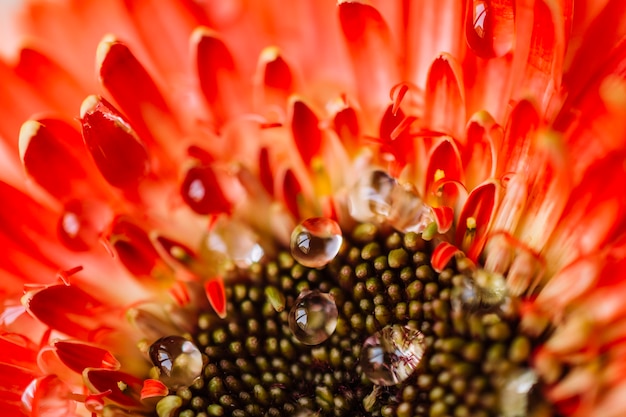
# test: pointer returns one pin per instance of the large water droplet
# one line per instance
(236, 240)
(370, 198)
(316, 241)
(313, 317)
(178, 360)
(489, 27)
(515, 393)
(378, 197)
(391, 355)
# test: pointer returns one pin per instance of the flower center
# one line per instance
(375, 332)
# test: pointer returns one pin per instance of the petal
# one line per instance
(305, 130)
(291, 193)
(13, 381)
(445, 100)
(153, 388)
(442, 255)
(444, 164)
(518, 136)
(216, 72)
(216, 294)
(202, 191)
(489, 27)
(125, 389)
(77, 356)
(106, 133)
(475, 219)
(48, 396)
(372, 52)
(66, 308)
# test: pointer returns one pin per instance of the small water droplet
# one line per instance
(80, 224)
(313, 317)
(178, 360)
(391, 355)
(515, 393)
(489, 27)
(316, 241)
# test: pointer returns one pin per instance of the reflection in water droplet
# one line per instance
(391, 355)
(489, 27)
(515, 393)
(178, 360)
(378, 197)
(313, 317)
(316, 241)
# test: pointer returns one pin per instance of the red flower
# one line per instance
(472, 153)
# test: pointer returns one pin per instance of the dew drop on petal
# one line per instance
(178, 360)
(515, 393)
(391, 355)
(489, 27)
(313, 317)
(316, 241)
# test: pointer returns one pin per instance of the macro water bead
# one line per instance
(313, 317)
(177, 359)
(316, 241)
(392, 354)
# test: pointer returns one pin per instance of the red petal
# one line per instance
(202, 192)
(265, 171)
(153, 388)
(135, 249)
(305, 130)
(124, 389)
(372, 52)
(346, 124)
(444, 216)
(445, 101)
(48, 396)
(18, 350)
(81, 224)
(480, 205)
(444, 163)
(442, 255)
(518, 136)
(50, 80)
(292, 192)
(13, 381)
(216, 295)
(67, 309)
(134, 91)
(276, 72)
(117, 151)
(78, 355)
(479, 155)
(48, 150)
(216, 72)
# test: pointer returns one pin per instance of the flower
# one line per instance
(314, 208)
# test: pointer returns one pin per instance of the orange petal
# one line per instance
(442, 255)
(480, 206)
(445, 100)
(78, 355)
(372, 52)
(153, 388)
(305, 130)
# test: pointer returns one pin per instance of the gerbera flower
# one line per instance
(259, 208)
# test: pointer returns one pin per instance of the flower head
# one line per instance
(314, 208)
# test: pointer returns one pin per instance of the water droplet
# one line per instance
(236, 240)
(489, 27)
(391, 355)
(316, 241)
(370, 199)
(313, 317)
(485, 290)
(515, 393)
(378, 197)
(178, 360)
